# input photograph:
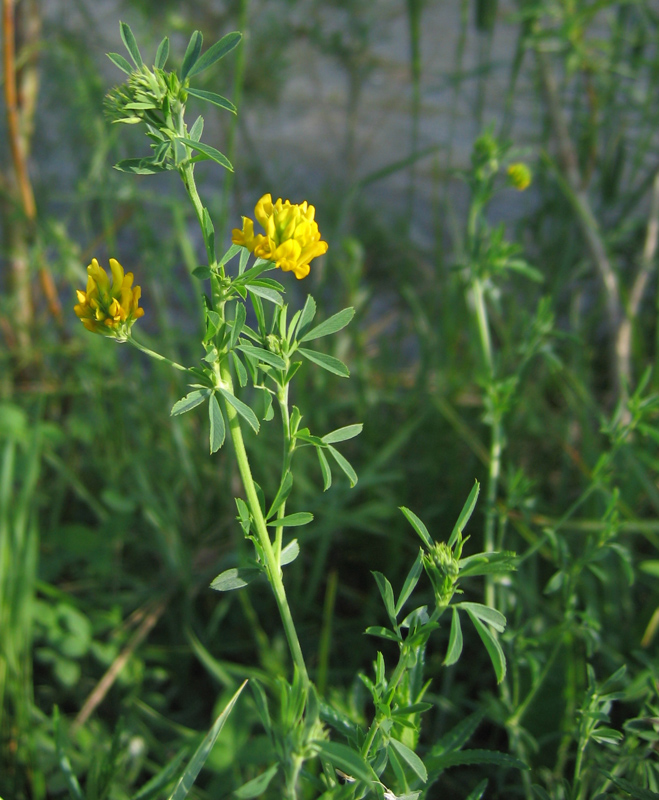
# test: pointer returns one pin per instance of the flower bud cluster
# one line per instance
(109, 307)
(441, 566)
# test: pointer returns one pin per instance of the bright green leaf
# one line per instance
(244, 410)
(216, 52)
(418, 526)
(211, 97)
(329, 363)
(342, 434)
(217, 431)
(131, 45)
(454, 640)
(335, 323)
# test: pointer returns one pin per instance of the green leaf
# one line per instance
(335, 323)
(454, 640)
(191, 54)
(208, 151)
(387, 594)
(121, 62)
(266, 293)
(230, 253)
(637, 792)
(324, 468)
(207, 225)
(241, 372)
(329, 363)
(410, 583)
(63, 761)
(256, 786)
(342, 434)
(235, 578)
(418, 526)
(459, 735)
(244, 410)
(346, 759)
(478, 792)
(487, 563)
(194, 767)
(238, 323)
(160, 780)
(211, 97)
(217, 432)
(131, 45)
(307, 315)
(189, 402)
(490, 615)
(465, 514)
(411, 758)
(283, 492)
(492, 646)
(140, 166)
(162, 54)
(263, 355)
(540, 792)
(383, 633)
(345, 465)
(202, 273)
(244, 258)
(292, 520)
(289, 553)
(216, 52)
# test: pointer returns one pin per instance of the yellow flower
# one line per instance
(291, 239)
(109, 307)
(519, 176)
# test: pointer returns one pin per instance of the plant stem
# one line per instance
(282, 398)
(187, 176)
(271, 560)
(155, 355)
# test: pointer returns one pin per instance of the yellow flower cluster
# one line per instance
(519, 176)
(109, 308)
(291, 237)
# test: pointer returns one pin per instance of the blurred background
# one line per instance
(113, 517)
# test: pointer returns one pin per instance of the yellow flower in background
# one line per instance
(291, 239)
(519, 176)
(109, 307)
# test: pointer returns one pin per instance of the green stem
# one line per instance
(155, 355)
(187, 176)
(282, 398)
(271, 560)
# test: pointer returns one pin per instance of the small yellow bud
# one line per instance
(519, 176)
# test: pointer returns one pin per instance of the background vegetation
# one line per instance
(114, 519)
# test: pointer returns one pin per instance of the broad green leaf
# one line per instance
(411, 758)
(208, 151)
(410, 583)
(244, 410)
(235, 578)
(216, 52)
(387, 594)
(191, 54)
(465, 514)
(263, 355)
(490, 615)
(335, 323)
(454, 640)
(194, 767)
(195, 134)
(202, 273)
(346, 759)
(345, 465)
(121, 62)
(329, 363)
(162, 54)
(383, 633)
(217, 431)
(211, 97)
(418, 526)
(342, 434)
(492, 646)
(266, 293)
(289, 553)
(256, 786)
(324, 468)
(131, 45)
(189, 402)
(292, 520)
(307, 315)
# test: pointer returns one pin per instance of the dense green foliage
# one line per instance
(518, 353)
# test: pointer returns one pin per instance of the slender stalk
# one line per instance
(155, 355)
(187, 176)
(271, 560)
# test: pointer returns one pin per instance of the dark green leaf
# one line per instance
(335, 323)
(241, 372)
(217, 431)
(487, 564)
(410, 582)
(346, 759)
(344, 464)
(191, 54)
(203, 273)
(383, 633)
(411, 758)
(189, 402)
(256, 786)
(292, 520)
(492, 646)
(454, 641)
(131, 45)
(208, 151)
(490, 615)
(478, 792)
(211, 97)
(235, 578)
(216, 52)
(194, 767)
(162, 54)
(637, 792)
(465, 514)
(342, 434)
(155, 786)
(418, 526)
(121, 62)
(329, 363)
(244, 410)
(387, 594)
